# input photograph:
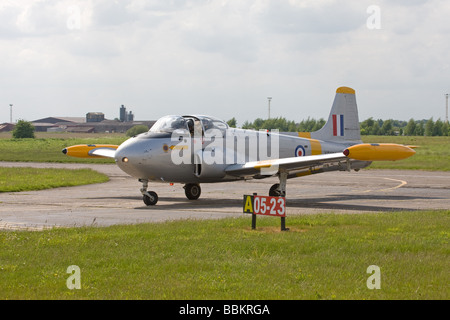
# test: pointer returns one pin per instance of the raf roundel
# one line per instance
(299, 151)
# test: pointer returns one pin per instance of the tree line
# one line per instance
(405, 128)
(369, 126)
(25, 129)
(282, 124)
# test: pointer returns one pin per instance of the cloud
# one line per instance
(112, 13)
(33, 18)
(328, 17)
(409, 2)
(221, 57)
(220, 28)
(8, 17)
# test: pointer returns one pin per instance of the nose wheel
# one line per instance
(150, 198)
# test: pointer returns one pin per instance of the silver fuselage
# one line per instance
(149, 156)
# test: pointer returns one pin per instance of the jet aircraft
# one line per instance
(197, 149)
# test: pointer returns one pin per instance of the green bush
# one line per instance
(137, 130)
(23, 129)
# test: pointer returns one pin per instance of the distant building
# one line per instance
(95, 117)
(55, 120)
(123, 114)
(107, 126)
(82, 125)
(6, 127)
(126, 116)
(44, 124)
(94, 122)
(130, 117)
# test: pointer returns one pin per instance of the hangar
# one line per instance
(93, 122)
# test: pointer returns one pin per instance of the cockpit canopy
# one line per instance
(168, 124)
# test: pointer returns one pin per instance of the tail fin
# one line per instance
(343, 121)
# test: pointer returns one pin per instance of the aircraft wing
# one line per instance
(103, 152)
(360, 152)
(272, 166)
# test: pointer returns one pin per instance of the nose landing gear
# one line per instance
(150, 198)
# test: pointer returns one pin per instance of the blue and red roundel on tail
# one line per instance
(300, 151)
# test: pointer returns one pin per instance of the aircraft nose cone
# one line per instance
(123, 155)
(64, 150)
(132, 158)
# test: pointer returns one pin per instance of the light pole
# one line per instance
(269, 98)
(10, 112)
(446, 108)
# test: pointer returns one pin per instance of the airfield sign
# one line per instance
(263, 205)
(266, 206)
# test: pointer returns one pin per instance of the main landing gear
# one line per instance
(192, 191)
(279, 189)
(150, 198)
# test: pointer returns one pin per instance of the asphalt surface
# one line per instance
(119, 201)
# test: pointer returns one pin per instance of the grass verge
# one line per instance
(323, 256)
(50, 150)
(27, 179)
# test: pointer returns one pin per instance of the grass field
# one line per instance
(26, 179)
(49, 147)
(323, 256)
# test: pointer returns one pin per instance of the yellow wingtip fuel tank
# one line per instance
(379, 152)
(86, 150)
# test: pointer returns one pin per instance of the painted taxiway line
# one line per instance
(402, 183)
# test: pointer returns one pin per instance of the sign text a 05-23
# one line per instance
(263, 205)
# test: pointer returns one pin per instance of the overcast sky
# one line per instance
(223, 58)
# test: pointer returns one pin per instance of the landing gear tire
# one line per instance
(150, 198)
(192, 191)
(274, 190)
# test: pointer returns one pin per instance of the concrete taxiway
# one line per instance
(119, 201)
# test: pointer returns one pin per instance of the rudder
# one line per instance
(343, 121)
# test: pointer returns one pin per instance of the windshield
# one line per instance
(169, 124)
(212, 123)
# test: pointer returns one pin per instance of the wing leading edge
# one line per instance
(270, 167)
(360, 152)
(104, 152)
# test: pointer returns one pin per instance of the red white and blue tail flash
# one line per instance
(338, 125)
